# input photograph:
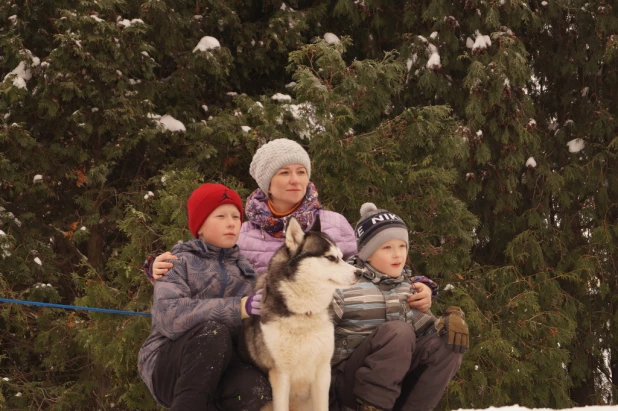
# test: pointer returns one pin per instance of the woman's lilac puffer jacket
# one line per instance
(259, 246)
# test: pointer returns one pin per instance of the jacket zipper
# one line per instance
(223, 275)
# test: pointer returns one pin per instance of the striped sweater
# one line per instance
(373, 300)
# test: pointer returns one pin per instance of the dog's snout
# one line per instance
(358, 273)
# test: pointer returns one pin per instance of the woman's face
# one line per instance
(288, 186)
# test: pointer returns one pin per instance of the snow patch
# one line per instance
(434, 57)
(128, 23)
(21, 75)
(331, 38)
(246, 129)
(481, 42)
(531, 162)
(305, 111)
(282, 97)
(576, 145)
(207, 43)
(411, 61)
(168, 122)
(37, 177)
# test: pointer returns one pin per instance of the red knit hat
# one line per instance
(205, 199)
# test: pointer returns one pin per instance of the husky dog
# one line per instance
(293, 339)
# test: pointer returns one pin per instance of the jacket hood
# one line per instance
(375, 276)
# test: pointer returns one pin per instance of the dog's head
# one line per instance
(309, 266)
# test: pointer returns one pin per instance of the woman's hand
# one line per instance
(160, 267)
(422, 299)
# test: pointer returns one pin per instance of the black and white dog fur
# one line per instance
(293, 339)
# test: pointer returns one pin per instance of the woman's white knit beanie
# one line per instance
(272, 156)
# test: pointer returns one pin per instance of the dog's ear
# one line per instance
(294, 235)
(316, 227)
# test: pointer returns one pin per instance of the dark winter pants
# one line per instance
(392, 369)
(201, 371)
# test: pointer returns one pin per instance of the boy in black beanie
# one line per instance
(387, 354)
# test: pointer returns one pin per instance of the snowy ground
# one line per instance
(518, 408)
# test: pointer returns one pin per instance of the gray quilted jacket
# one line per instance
(205, 284)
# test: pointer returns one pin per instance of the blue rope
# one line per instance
(74, 307)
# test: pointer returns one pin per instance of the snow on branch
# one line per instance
(207, 43)
(168, 122)
(576, 145)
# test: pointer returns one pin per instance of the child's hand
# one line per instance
(421, 300)
(160, 267)
(252, 305)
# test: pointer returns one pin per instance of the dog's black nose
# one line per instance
(358, 273)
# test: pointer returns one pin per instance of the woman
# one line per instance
(282, 170)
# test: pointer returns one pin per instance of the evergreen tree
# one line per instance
(490, 126)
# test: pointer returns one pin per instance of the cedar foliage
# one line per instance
(528, 249)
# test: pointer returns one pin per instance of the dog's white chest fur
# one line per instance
(307, 340)
(301, 347)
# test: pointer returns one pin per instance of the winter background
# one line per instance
(491, 126)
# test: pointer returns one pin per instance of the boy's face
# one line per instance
(222, 226)
(390, 258)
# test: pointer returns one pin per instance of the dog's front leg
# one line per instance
(320, 387)
(280, 384)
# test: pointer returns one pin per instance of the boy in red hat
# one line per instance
(190, 359)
